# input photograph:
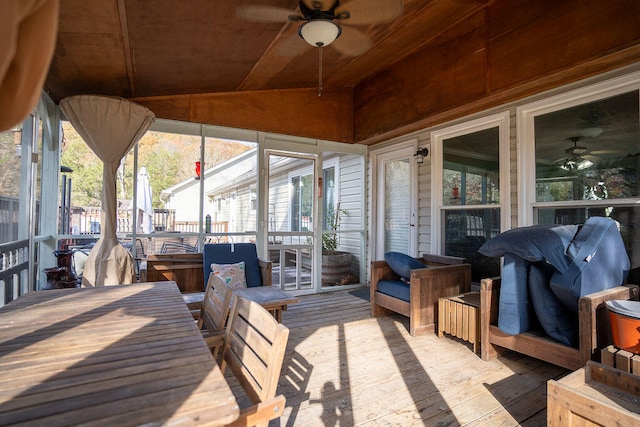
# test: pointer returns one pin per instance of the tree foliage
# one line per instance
(169, 159)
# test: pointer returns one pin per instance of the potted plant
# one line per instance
(336, 264)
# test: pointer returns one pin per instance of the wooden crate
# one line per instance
(459, 316)
(621, 359)
(595, 395)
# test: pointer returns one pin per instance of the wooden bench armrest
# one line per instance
(431, 259)
(380, 270)
(594, 327)
(427, 276)
(266, 269)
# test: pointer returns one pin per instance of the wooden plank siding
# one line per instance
(504, 53)
(343, 367)
(351, 186)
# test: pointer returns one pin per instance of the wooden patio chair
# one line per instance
(253, 348)
(213, 315)
(446, 276)
(593, 328)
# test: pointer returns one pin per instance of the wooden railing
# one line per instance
(14, 270)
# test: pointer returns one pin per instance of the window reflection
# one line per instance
(590, 151)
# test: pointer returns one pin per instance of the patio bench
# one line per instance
(593, 329)
(418, 300)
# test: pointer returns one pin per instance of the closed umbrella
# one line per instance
(110, 126)
(144, 204)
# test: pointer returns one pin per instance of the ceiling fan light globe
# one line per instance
(319, 32)
(576, 164)
(584, 164)
(590, 132)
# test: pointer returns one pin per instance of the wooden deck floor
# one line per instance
(344, 368)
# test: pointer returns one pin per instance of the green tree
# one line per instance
(87, 169)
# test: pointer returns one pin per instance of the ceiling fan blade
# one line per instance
(352, 42)
(603, 152)
(259, 13)
(289, 47)
(365, 12)
(319, 4)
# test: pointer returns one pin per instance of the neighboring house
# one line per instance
(231, 196)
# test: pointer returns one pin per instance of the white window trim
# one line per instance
(525, 116)
(501, 120)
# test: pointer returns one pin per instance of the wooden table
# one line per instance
(271, 298)
(117, 355)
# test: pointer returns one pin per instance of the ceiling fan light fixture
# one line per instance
(576, 164)
(590, 132)
(319, 32)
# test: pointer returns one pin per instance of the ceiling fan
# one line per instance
(580, 158)
(577, 157)
(322, 23)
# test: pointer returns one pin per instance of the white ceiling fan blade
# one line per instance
(352, 42)
(612, 151)
(365, 12)
(258, 13)
(290, 46)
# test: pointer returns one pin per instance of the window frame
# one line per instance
(438, 208)
(525, 117)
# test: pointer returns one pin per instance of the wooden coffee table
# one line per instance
(273, 299)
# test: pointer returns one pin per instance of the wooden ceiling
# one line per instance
(140, 48)
(197, 60)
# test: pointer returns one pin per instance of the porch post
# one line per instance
(50, 188)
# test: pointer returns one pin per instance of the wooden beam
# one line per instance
(297, 112)
(124, 27)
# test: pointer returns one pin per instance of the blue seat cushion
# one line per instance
(558, 322)
(514, 310)
(535, 243)
(402, 264)
(226, 253)
(394, 288)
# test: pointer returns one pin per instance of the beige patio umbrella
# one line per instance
(27, 39)
(110, 126)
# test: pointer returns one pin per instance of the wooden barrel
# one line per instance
(335, 267)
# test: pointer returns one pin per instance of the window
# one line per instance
(585, 159)
(472, 186)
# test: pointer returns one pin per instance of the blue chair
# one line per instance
(257, 271)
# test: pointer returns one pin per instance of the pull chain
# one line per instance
(320, 70)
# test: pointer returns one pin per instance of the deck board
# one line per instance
(344, 368)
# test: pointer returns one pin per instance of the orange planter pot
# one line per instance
(625, 324)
